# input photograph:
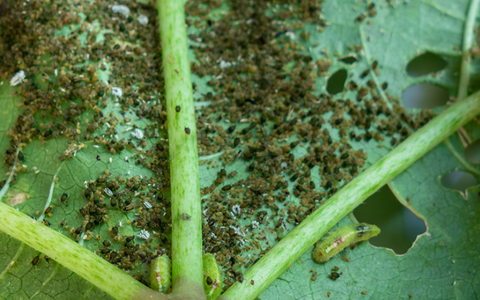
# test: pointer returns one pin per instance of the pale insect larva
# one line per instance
(137, 133)
(17, 78)
(108, 192)
(144, 234)
(143, 19)
(121, 9)
(116, 91)
(339, 239)
(212, 280)
(160, 274)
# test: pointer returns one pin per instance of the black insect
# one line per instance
(35, 260)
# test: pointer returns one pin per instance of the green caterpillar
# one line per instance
(212, 280)
(160, 275)
(339, 239)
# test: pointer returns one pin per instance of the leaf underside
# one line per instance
(273, 144)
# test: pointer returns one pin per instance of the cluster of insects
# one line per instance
(297, 146)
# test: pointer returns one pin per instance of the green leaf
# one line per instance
(441, 264)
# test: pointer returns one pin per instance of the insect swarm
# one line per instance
(265, 130)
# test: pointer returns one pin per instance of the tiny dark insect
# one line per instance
(226, 188)
(209, 280)
(48, 210)
(35, 260)
(178, 108)
(106, 243)
(239, 277)
(187, 130)
(334, 275)
(47, 259)
(64, 197)
(114, 231)
(252, 282)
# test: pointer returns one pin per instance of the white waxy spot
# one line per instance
(137, 133)
(236, 209)
(284, 165)
(121, 9)
(255, 224)
(110, 160)
(225, 64)
(291, 34)
(108, 192)
(143, 19)
(144, 234)
(17, 78)
(117, 92)
(237, 230)
(147, 205)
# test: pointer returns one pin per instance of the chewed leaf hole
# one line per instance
(424, 95)
(425, 64)
(348, 59)
(458, 180)
(472, 152)
(399, 225)
(336, 82)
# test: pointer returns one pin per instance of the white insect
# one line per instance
(255, 224)
(237, 230)
(108, 192)
(144, 234)
(17, 78)
(147, 205)
(291, 34)
(224, 64)
(116, 91)
(143, 19)
(137, 133)
(121, 9)
(236, 209)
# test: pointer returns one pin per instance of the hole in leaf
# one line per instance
(472, 152)
(399, 225)
(336, 82)
(425, 64)
(424, 95)
(458, 180)
(348, 59)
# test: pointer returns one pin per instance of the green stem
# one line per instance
(467, 44)
(289, 249)
(187, 270)
(73, 256)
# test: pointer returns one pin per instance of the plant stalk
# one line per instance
(289, 249)
(71, 255)
(466, 45)
(187, 270)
